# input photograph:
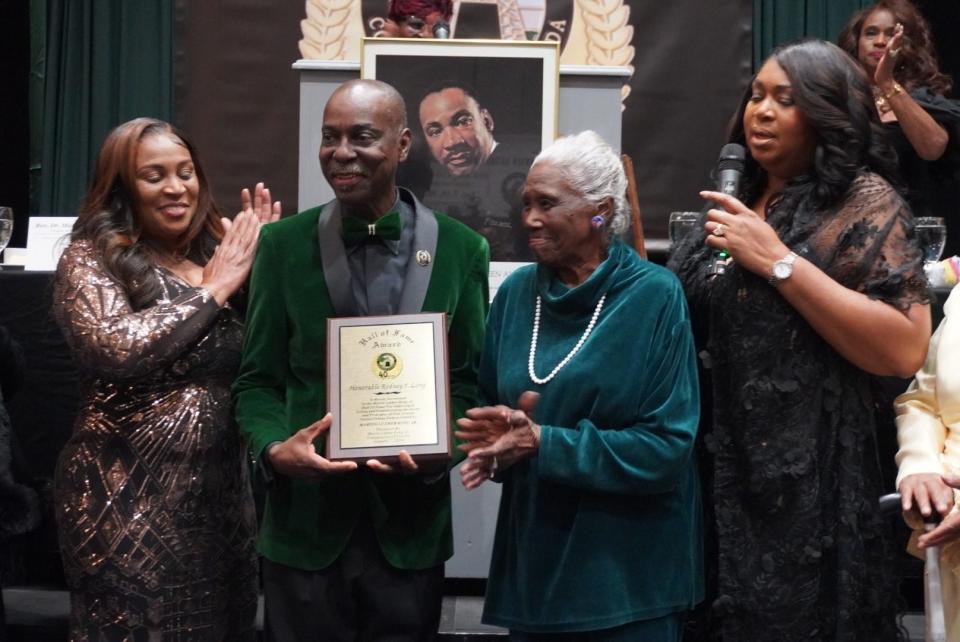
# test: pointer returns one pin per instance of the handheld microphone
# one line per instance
(441, 30)
(730, 167)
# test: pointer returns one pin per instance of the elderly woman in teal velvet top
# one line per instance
(589, 372)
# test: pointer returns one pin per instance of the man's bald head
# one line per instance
(363, 92)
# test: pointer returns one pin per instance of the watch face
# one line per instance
(782, 270)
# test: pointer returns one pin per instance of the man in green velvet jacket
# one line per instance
(353, 552)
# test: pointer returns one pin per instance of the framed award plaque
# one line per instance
(388, 387)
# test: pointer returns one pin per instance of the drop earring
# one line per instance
(597, 221)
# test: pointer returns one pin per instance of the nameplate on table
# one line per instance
(47, 236)
(388, 387)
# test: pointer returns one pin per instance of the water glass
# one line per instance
(6, 226)
(680, 225)
(932, 234)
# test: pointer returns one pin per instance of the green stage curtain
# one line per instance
(38, 61)
(106, 61)
(776, 22)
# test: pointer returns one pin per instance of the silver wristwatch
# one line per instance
(783, 268)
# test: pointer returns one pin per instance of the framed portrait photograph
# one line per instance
(480, 111)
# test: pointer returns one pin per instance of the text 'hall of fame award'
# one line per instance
(388, 388)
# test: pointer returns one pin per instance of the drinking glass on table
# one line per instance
(681, 224)
(6, 226)
(932, 234)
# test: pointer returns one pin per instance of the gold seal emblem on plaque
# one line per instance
(387, 365)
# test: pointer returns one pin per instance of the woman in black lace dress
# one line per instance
(155, 514)
(825, 288)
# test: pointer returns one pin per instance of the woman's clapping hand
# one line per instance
(260, 204)
(230, 264)
(229, 267)
(497, 437)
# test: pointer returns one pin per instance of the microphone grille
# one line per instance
(441, 30)
(732, 156)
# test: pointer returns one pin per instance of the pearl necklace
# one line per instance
(566, 359)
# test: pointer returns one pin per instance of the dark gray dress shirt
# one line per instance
(377, 267)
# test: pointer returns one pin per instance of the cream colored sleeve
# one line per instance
(921, 433)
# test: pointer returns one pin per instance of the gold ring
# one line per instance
(894, 52)
(718, 230)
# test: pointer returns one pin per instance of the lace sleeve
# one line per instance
(104, 333)
(869, 245)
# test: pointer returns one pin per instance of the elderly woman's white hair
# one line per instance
(592, 168)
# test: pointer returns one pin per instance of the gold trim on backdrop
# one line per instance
(608, 35)
(328, 28)
(597, 33)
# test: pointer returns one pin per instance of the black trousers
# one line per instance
(358, 598)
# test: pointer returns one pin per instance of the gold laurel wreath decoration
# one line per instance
(324, 27)
(608, 35)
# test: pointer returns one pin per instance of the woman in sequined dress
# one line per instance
(154, 509)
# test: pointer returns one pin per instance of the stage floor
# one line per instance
(39, 615)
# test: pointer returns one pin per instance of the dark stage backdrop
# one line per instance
(693, 61)
(236, 93)
(238, 96)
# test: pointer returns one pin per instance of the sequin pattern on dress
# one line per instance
(154, 509)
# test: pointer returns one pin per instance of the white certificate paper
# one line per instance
(387, 386)
(47, 236)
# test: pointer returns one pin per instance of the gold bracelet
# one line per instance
(887, 95)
